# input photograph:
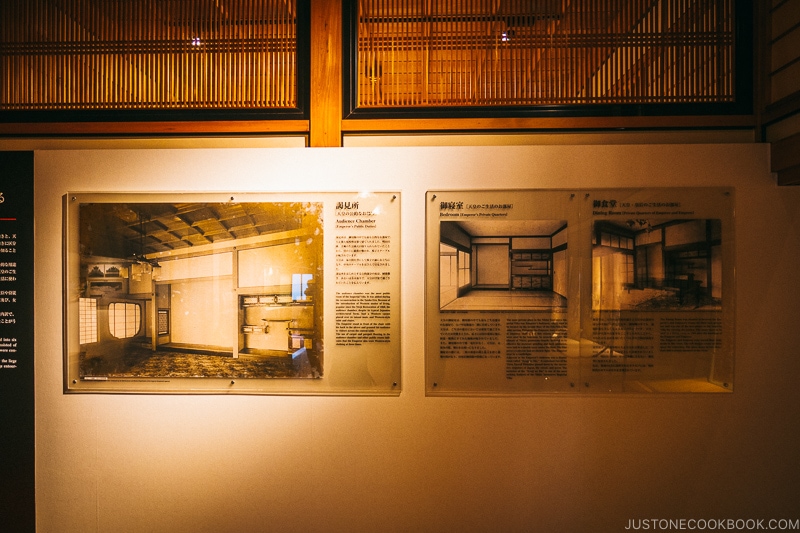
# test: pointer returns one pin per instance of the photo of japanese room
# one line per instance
(657, 265)
(502, 265)
(199, 290)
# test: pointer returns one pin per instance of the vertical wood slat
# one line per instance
(138, 54)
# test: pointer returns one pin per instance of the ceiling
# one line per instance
(135, 230)
(511, 228)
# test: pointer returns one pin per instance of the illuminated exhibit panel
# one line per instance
(657, 301)
(499, 293)
(626, 290)
(161, 294)
(662, 286)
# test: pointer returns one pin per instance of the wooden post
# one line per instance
(326, 73)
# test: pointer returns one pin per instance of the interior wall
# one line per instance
(560, 273)
(203, 312)
(448, 278)
(217, 463)
(492, 264)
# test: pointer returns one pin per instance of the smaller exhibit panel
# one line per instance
(500, 282)
(285, 293)
(601, 291)
(662, 291)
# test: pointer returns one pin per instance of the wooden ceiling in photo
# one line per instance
(510, 228)
(136, 230)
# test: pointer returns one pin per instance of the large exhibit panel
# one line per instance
(604, 291)
(254, 293)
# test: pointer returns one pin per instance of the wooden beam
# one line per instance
(789, 176)
(785, 107)
(538, 124)
(326, 73)
(786, 152)
(762, 29)
(156, 128)
(785, 160)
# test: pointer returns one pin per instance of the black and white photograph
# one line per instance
(501, 265)
(200, 290)
(647, 264)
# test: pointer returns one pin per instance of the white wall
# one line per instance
(119, 463)
(203, 312)
(492, 264)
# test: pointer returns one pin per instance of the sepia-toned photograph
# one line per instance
(657, 265)
(502, 265)
(200, 290)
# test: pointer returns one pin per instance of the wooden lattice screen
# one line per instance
(148, 54)
(540, 52)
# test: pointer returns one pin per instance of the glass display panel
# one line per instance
(623, 290)
(506, 329)
(661, 315)
(252, 293)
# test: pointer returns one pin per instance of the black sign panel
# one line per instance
(17, 495)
